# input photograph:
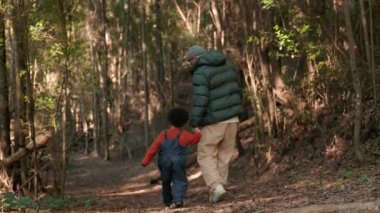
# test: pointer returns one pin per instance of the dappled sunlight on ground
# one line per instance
(123, 186)
(137, 191)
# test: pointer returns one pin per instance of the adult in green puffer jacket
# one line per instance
(216, 105)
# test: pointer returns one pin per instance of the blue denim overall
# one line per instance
(171, 162)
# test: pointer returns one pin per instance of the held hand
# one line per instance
(197, 130)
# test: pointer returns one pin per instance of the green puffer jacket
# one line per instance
(216, 90)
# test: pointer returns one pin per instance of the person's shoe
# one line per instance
(178, 204)
(217, 193)
(167, 204)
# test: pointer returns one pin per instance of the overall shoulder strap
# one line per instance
(166, 133)
(179, 134)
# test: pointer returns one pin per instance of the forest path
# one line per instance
(123, 186)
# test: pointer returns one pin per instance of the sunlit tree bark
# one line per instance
(247, 8)
(356, 81)
(217, 20)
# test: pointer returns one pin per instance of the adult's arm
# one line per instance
(200, 99)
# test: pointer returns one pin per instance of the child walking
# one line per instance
(170, 145)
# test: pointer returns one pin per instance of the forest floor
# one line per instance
(310, 186)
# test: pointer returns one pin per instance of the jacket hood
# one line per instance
(210, 58)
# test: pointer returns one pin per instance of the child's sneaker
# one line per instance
(217, 193)
(178, 204)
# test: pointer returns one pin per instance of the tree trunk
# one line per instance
(217, 20)
(21, 69)
(173, 65)
(5, 122)
(267, 84)
(248, 12)
(92, 35)
(160, 82)
(146, 89)
(356, 79)
(83, 119)
(104, 79)
(158, 43)
(372, 47)
(367, 46)
(256, 104)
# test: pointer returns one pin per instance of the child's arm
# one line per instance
(191, 138)
(153, 149)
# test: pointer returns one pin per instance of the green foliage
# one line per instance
(22, 73)
(36, 31)
(350, 174)
(346, 174)
(267, 4)
(56, 50)
(363, 178)
(285, 40)
(54, 203)
(270, 4)
(88, 202)
(44, 102)
(253, 39)
(49, 202)
(289, 41)
(9, 202)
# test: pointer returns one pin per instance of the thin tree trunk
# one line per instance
(158, 59)
(21, 67)
(146, 90)
(92, 26)
(267, 84)
(96, 119)
(217, 20)
(367, 45)
(356, 81)
(104, 79)
(255, 100)
(65, 95)
(83, 119)
(32, 131)
(184, 18)
(158, 43)
(372, 47)
(173, 64)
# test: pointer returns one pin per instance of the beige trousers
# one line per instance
(215, 150)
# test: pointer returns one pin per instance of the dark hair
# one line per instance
(178, 117)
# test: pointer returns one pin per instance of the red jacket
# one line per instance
(185, 139)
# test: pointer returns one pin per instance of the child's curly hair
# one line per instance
(178, 117)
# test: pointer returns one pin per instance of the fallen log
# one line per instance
(41, 141)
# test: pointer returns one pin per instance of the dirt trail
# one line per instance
(123, 186)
